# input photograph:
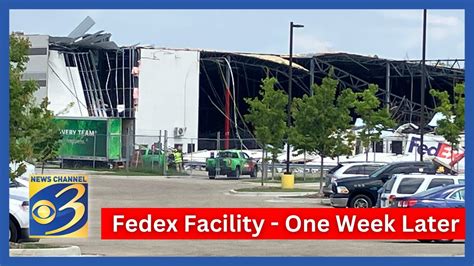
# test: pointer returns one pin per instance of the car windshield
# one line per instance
(333, 170)
(227, 154)
(377, 172)
(389, 185)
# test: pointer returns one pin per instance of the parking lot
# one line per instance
(199, 191)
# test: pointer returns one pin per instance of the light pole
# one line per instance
(290, 83)
(423, 86)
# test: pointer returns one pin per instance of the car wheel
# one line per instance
(253, 174)
(212, 174)
(237, 172)
(13, 233)
(444, 240)
(361, 201)
(425, 240)
(76, 165)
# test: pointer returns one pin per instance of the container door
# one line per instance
(114, 146)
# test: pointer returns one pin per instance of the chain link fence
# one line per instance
(166, 155)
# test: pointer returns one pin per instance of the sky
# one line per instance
(394, 34)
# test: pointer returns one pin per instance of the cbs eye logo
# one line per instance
(43, 212)
(58, 206)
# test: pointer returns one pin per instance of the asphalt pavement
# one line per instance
(198, 191)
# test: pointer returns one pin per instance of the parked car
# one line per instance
(361, 192)
(19, 216)
(151, 157)
(349, 169)
(451, 196)
(403, 185)
(232, 163)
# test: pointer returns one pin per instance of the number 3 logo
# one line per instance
(79, 208)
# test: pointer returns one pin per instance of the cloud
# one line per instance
(304, 43)
(442, 26)
(434, 19)
(409, 15)
(439, 33)
(446, 21)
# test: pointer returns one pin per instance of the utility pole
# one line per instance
(423, 86)
(227, 108)
(311, 76)
(290, 84)
(387, 86)
(218, 147)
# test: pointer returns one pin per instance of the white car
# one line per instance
(19, 213)
(349, 169)
(403, 185)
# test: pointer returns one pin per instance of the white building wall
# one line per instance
(168, 96)
(61, 84)
(64, 87)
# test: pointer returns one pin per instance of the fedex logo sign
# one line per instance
(442, 150)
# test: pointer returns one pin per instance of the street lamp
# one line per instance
(290, 83)
(423, 86)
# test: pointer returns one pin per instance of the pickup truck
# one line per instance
(232, 163)
(154, 158)
(362, 191)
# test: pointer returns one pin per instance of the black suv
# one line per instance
(361, 192)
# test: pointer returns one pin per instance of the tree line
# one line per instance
(322, 121)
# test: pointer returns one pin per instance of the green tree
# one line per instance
(452, 125)
(267, 115)
(46, 145)
(33, 134)
(322, 121)
(344, 144)
(376, 119)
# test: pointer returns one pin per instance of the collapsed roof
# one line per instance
(110, 67)
(398, 80)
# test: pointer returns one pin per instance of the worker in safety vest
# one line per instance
(178, 159)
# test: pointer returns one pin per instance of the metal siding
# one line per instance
(37, 66)
(38, 51)
(64, 87)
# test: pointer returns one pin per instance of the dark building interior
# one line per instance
(400, 77)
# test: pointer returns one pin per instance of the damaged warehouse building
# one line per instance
(193, 94)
